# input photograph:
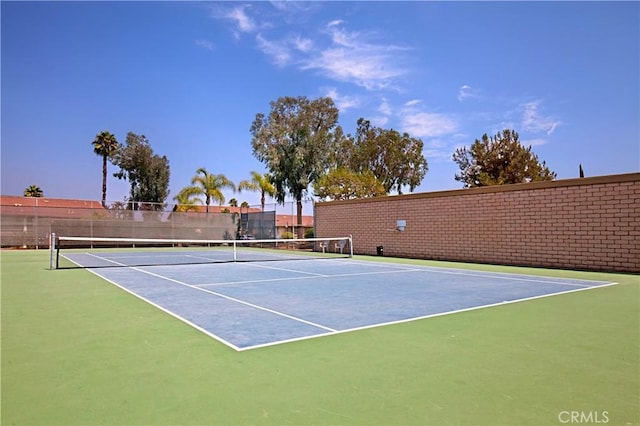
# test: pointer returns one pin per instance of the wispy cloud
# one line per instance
(534, 142)
(242, 21)
(383, 114)
(385, 107)
(466, 92)
(379, 120)
(437, 149)
(333, 51)
(428, 124)
(351, 57)
(295, 11)
(205, 44)
(343, 102)
(281, 54)
(422, 124)
(533, 121)
(302, 44)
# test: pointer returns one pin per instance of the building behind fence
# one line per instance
(590, 224)
(29, 221)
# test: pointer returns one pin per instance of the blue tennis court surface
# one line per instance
(256, 304)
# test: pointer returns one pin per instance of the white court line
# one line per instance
(411, 268)
(506, 276)
(440, 314)
(267, 280)
(208, 259)
(233, 299)
(257, 265)
(184, 320)
(510, 278)
(354, 274)
(502, 276)
(499, 275)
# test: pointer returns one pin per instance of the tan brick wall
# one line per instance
(590, 223)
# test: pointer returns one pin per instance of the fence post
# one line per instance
(36, 229)
(52, 249)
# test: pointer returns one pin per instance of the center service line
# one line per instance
(233, 299)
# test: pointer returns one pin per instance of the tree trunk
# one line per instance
(299, 230)
(104, 181)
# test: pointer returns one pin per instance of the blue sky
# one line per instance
(191, 76)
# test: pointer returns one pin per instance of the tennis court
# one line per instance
(260, 302)
(90, 353)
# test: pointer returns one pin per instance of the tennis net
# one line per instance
(90, 252)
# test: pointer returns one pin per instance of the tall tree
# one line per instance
(147, 173)
(33, 191)
(499, 160)
(344, 184)
(105, 145)
(210, 185)
(294, 141)
(259, 183)
(396, 160)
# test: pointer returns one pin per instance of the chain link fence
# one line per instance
(30, 222)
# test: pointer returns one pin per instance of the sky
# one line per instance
(191, 77)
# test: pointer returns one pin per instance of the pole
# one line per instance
(52, 248)
(350, 245)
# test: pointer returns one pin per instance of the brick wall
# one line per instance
(590, 223)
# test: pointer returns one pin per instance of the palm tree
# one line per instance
(33, 191)
(105, 145)
(186, 200)
(210, 185)
(259, 183)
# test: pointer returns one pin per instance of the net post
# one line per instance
(350, 245)
(52, 251)
(235, 251)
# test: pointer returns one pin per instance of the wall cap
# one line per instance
(588, 181)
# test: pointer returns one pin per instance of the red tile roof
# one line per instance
(49, 207)
(60, 207)
(17, 201)
(291, 219)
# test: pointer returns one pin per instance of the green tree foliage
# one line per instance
(395, 159)
(147, 173)
(209, 185)
(294, 141)
(344, 184)
(105, 145)
(499, 160)
(33, 191)
(259, 183)
(186, 200)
